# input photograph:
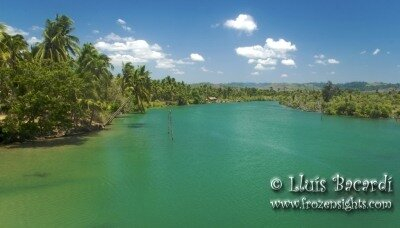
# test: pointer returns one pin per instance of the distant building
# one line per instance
(212, 99)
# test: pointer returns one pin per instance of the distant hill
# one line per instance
(361, 86)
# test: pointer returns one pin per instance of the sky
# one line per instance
(231, 41)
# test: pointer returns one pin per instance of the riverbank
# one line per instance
(357, 104)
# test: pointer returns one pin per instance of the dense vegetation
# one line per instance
(58, 87)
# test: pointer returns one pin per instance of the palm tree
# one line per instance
(94, 68)
(14, 49)
(58, 44)
(97, 66)
(137, 82)
(3, 53)
(2, 30)
(90, 60)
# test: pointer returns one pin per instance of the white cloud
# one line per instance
(280, 45)
(320, 56)
(243, 22)
(332, 72)
(165, 63)
(259, 67)
(14, 31)
(184, 62)
(196, 57)
(255, 52)
(128, 49)
(284, 75)
(320, 59)
(124, 25)
(36, 28)
(177, 71)
(95, 31)
(333, 61)
(255, 73)
(363, 52)
(204, 69)
(376, 51)
(33, 40)
(220, 72)
(268, 54)
(271, 49)
(262, 67)
(121, 22)
(288, 62)
(268, 61)
(137, 48)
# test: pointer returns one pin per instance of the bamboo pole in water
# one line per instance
(170, 130)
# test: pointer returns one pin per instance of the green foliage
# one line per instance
(349, 103)
(45, 100)
(328, 91)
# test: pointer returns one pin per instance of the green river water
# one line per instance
(215, 173)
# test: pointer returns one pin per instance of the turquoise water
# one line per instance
(215, 173)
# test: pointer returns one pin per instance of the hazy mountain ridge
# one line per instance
(361, 86)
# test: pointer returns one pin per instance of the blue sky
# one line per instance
(232, 41)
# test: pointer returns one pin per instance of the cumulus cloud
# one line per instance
(376, 51)
(262, 67)
(284, 75)
(177, 71)
(14, 31)
(333, 61)
(121, 22)
(320, 56)
(128, 49)
(196, 57)
(255, 73)
(165, 63)
(288, 62)
(36, 28)
(33, 40)
(243, 22)
(124, 25)
(269, 54)
(320, 59)
(280, 45)
(184, 62)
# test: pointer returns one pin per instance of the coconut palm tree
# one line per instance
(137, 83)
(14, 49)
(58, 43)
(97, 67)
(90, 60)
(3, 53)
